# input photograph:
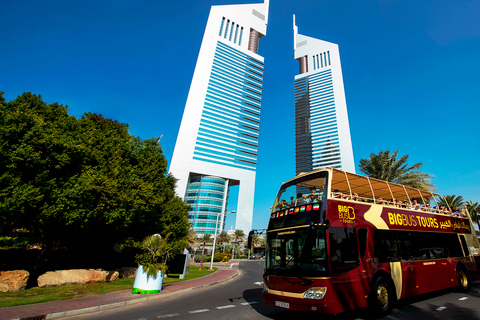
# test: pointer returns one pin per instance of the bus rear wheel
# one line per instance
(381, 297)
(462, 277)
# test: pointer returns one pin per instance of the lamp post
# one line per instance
(215, 238)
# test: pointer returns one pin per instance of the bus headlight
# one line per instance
(315, 293)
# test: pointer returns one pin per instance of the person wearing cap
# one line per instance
(313, 197)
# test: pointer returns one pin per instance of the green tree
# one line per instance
(474, 211)
(239, 235)
(223, 237)
(451, 201)
(386, 166)
(205, 238)
(83, 183)
(192, 237)
(255, 239)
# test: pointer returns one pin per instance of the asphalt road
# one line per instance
(240, 298)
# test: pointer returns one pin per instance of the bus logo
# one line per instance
(346, 214)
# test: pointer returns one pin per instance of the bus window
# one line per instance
(301, 252)
(362, 242)
(464, 245)
(343, 249)
(300, 202)
(392, 245)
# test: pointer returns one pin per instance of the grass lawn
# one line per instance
(37, 295)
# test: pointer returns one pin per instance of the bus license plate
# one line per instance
(282, 304)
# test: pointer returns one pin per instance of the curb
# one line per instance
(134, 301)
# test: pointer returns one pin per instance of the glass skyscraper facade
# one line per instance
(322, 132)
(217, 144)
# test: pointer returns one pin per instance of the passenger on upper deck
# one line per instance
(381, 201)
(300, 199)
(337, 194)
(427, 208)
(457, 213)
(313, 197)
(282, 205)
(393, 203)
(415, 204)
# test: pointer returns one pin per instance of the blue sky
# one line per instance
(411, 72)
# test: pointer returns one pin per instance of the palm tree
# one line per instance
(451, 201)
(206, 238)
(239, 235)
(474, 211)
(223, 237)
(255, 239)
(386, 166)
(191, 238)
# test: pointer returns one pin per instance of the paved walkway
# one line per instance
(72, 307)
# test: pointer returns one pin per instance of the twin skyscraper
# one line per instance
(217, 144)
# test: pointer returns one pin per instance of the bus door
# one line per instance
(349, 280)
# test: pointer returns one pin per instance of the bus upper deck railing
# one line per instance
(400, 205)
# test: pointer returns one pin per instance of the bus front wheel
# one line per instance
(462, 277)
(381, 297)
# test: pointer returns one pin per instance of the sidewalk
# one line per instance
(72, 307)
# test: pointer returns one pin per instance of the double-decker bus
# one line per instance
(338, 241)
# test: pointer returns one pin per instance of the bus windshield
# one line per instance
(300, 201)
(297, 252)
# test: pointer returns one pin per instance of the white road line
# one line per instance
(231, 265)
(168, 315)
(441, 308)
(199, 311)
(248, 303)
(227, 306)
(259, 283)
(463, 298)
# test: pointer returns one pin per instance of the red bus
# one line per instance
(338, 241)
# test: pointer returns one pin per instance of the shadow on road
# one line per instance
(404, 308)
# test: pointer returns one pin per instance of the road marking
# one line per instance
(463, 298)
(199, 311)
(168, 315)
(248, 303)
(227, 306)
(231, 265)
(441, 308)
(259, 283)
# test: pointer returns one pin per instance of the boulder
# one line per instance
(127, 272)
(76, 276)
(13, 280)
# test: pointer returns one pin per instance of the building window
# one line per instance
(240, 39)
(226, 29)
(236, 33)
(221, 26)
(231, 32)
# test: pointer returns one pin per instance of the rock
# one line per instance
(76, 276)
(112, 276)
(127, 272)
(13, 280)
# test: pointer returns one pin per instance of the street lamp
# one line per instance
(215, 238)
